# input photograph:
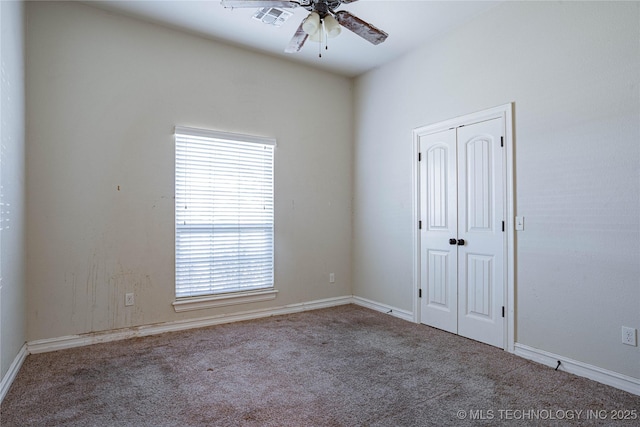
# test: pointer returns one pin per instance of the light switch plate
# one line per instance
(519, 223)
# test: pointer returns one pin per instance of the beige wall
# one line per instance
(12, 184)
(573, 71)
(104, 93)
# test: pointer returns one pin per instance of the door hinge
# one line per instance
(503, 311)
(502, 141)
(419, 157)
(419, 225)
(419, 293)
(503, 226)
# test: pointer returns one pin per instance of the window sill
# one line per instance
(210, 301)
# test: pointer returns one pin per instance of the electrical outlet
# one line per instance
(332, 278)
(129, 299)
(629, 336)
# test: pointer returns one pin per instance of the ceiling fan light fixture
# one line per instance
(322, 19)
(316, 37)
(331, 26)
(311, 25)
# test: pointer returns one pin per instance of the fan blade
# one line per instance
(257, 4)
(297, 41)
(360, 27)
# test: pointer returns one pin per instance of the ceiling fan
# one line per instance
(322, 19)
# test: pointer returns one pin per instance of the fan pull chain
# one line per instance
(320, 41)
(326, 41)
(326, 38)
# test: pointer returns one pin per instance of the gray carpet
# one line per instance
(343, 366)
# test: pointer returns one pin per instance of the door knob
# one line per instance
(453, 241)
(460, 242)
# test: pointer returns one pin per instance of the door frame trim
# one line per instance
(504, 112)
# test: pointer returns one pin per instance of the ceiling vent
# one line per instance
(272, 16)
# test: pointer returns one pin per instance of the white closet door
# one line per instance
(480, 219)
(462, 239)
(439, 264)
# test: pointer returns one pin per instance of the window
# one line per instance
(224, 213)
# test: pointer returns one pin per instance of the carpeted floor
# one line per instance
(343, 366)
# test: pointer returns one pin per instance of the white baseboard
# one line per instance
(70, 341)
(604, 376)
(383, 308)
(8, 378)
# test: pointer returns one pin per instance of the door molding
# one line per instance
(506, 113)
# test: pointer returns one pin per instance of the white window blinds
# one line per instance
(224, 212)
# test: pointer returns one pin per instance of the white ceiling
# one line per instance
(409, 23)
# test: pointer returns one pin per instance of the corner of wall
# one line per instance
(12, 190)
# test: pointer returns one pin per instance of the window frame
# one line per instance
(239, 296)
